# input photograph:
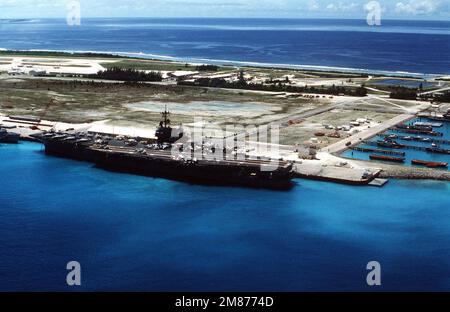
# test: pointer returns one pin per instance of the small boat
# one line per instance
(429, 164)
(389, 143)
(387, 158)
(415, 127)
(428, 124)
(438, 150)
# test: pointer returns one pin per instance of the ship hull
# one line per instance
(429, 164)
(198, 173)
(387, 158)
(10, 138)
(202, 172)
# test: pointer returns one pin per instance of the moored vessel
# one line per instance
(389, 143)
(165, 159)
(429, 164)
(387, 158)
(438, 150)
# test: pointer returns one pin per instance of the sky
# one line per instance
(390, 9)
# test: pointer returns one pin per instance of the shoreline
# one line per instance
(231, 63)
(348, 175)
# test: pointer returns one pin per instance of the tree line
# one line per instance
(207, 68)
(403, 93)
(278, 87)
(127, 74)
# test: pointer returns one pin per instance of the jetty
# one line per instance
(356, 139)
(412, 131)
(379, 151)
(414, 147)
(420, 139)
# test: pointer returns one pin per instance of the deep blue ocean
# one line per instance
(397, 46)
(137, 233)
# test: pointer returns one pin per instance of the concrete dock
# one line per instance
(333, 170)
(356, 139)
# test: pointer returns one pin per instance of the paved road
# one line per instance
(357, 138)
(434, 91)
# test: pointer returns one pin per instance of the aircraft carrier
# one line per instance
(156, 158)
(8, 137)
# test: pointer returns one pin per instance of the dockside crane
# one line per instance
(44, 113)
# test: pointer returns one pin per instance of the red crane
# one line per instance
(44, 113)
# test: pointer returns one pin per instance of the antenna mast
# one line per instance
(165, 114)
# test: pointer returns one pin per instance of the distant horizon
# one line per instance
(291, 9)
(231, 18)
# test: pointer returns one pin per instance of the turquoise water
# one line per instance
(137, 233)
(410, 154)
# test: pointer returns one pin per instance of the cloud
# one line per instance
(313, 5)
(341, 7)
(197, 3)
(417, 7)
(433, 9)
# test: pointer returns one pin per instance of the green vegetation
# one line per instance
(161, 66)
(207, 68)
(127, 75)
(79, 101)
(149, 65)
(445, 97)
(403, 93)
(276, 87)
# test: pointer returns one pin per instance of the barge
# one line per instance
(387, 158)
(429, 164)
(438, 150)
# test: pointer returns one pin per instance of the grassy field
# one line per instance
(74, 102)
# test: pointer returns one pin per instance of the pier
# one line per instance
(431, 133)
(420, 139)
(379, 182)
(341, 175)
(380, 151)
(366, 135)
(411, 147)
